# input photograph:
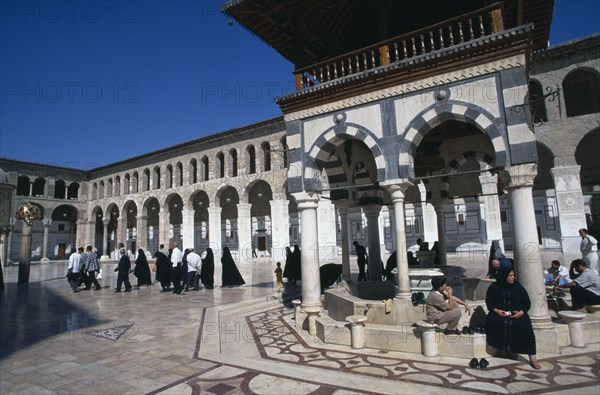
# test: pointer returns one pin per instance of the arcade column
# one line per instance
(309, 246)
(105, 253)
(244, 232)
(528, 263)
(397, 192)
(343, 210)
(47, 222)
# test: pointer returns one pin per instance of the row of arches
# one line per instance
(226, 164)
(150, 222)
(40, 187)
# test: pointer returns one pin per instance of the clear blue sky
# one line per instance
(90, 83)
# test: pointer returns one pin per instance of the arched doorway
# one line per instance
(64, 225)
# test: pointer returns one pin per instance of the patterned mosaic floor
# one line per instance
(278, 342)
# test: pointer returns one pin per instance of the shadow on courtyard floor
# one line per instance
(31, 313)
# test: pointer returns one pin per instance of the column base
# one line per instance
(403, 295)
(313, 314)
(105, 258)
(44, 261)
(541, 322)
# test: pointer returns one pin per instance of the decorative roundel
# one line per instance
(339, 118)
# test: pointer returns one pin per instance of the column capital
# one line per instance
(398, 189)
(343, 205)
(573, 170)
(106, 222)
(214, 210)
(47, 222)
(488, 178)
(301, 197)
(372, 210)
(519, 176)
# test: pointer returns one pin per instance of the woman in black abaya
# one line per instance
(142, 270)
(163, 267)
(230, 275)
(508, 327)
(207, 271)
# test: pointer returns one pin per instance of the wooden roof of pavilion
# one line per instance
(309, 31)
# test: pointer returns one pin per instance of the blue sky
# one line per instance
(85, 84)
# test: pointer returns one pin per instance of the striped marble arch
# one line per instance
(431, 117)
(318, 155)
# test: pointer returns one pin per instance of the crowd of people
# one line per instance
(176, 271)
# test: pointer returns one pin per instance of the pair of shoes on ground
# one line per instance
(469, 330)
(482, 363)
(451, 332)
(126, 290)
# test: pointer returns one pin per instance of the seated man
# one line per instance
(442, 306)
(585, 289)
(556, 274)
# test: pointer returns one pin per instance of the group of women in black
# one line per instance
(230, 275)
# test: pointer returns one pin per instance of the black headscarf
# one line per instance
(502, 276)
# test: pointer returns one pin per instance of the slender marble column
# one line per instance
(280, 228)
(491, 204)
(105, 254)
(397, 191)
(343, 210)
(187, 228)
(528, 263)
(309, 245)
(244, 232)
(9, 247)
(439, 213)
(46, 223)
(25, 256)
(372, 213)
(214, 229)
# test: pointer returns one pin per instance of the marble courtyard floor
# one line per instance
(226, 341)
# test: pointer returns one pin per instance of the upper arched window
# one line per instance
(285, 151)
(251, 159)
(233, 165)
(193, 171)
(266, 149)
(38, 186)
(581, 88)
(169, 177)
(59, 189)
(221, 164)
(73, 191)
(23, 187)
(538, 105)
(205, 169)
